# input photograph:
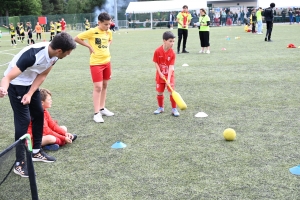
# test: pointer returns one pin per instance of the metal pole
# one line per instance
(151, 19)
(116, 14)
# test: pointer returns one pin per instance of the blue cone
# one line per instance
(295, 170)
(118, 145)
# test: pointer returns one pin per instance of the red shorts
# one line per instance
(160, 87)
(60, 142)
(100, 72)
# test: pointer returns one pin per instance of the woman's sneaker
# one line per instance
(42, 156)
(159, 110)
(51, 147)
(106, 112)
(98, 118)
(21, 169)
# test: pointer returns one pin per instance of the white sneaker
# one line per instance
(201, 51)
(106, 112)
(208, 52)
(98, 118)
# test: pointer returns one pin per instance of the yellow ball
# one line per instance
(229, 134)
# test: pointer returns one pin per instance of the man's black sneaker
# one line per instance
(185, 51)
(266, 39)
(270, 40)
(74, 137)
(21, 169)
(42, 156)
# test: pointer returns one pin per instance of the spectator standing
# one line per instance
(297, 13)
(253, 20)
(235, 17)
(242, 17)
(183, 19)
(223, 18)
(171, 20)
(204, 22)
(269, 18)
(291, 16)
(283, 15)
(259, 20)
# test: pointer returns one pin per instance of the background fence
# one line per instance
(76, 21)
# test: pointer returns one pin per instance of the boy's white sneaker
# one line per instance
(106, 112)
(98, 118)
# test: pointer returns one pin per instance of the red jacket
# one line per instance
(50, 127)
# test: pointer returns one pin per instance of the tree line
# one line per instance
(47, 7)
(50, 7)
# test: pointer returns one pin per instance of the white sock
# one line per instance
(35, 151)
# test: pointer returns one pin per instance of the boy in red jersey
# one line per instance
(164, 59)
(99, 40)
(54, 135)
(63, 24)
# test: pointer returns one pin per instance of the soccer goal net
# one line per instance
(11, 185)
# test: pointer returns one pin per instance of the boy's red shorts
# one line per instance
(160, 87)
(100, 72)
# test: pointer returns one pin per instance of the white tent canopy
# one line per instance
(279, 4)
(164, 6)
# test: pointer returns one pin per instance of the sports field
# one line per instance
(252, 87)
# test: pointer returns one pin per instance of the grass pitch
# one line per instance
(252, 87)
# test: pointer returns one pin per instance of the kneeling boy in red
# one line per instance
(164, 59)
(53, 134)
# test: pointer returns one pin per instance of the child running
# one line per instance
(99, 40)
(164, 59)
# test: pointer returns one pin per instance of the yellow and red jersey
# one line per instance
(99, 41)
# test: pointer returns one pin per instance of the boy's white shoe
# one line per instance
(208, 52)
(106, 112)
(98, 118)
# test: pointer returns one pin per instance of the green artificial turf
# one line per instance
(252, 87)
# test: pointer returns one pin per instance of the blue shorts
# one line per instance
(171, 23)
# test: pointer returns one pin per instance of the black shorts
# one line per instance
(18, 32)
(22, 34)
(57, 32)
(12, 36)
(52, 33)
(29, 35)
